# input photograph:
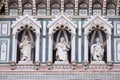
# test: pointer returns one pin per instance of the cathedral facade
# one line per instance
(59, 39)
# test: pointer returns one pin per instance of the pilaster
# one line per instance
(109, 48)
(13, 48)
(50, 48)
(85, 48)
(48, 7)
(37, 47)
(49, 63)
(90, 7)
(34, 7)
(6, 7)
(62, 5)
(76, 7)
(104, 7)
(20, 7)
(118, 8)
(73, 48)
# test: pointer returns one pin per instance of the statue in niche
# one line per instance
(62, 50)
(97, 50)
(25, 49)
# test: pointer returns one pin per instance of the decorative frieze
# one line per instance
(4, 28)
(69, 12)
(78, 76)
(55, 12)
(41, 12)
(4, 49)
(27, 11)
(117, 49)
(111, 12)
(97, 12)
(83, 12)
(13, 12)
(117, 28)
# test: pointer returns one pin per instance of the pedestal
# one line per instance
(25, 62)
(61, 62)
(49, 63)
(12, 65)
(97, 62)
(37, 64)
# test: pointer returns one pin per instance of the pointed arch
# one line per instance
(102, 25)
(27, 24)
(61, 22)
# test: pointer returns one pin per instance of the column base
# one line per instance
(13, 65)
(49, 63)
(74, 64)
(85, 63)
(37, 65)
(110, 65)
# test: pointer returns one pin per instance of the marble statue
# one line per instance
(97, 50)
(62, 50)
(25, 47)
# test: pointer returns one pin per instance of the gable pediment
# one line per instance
(62, 21)
(98, 21)
(25, 20)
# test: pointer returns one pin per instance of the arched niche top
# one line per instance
(99, 22)
(13, 5)
(27, 5)
(111, 6)
(97, 5)
(41, 5)
(83, 5)
(62, 22)
(69, 5)
(26, 21)
(55, 5)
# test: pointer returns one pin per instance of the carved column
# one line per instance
(90, 7)
(86, 49)
(73, 61)
(73, 48)
(109, 60)
(14, 47)
(76, 7)
(34, 7)
(37, 62)
(37, 48)
(118, 8)
(20, 7)
(109, 48)
(104, 7)
(48, 7)
(6, 7)
(62, 5)
(50, 51)
(85, 63)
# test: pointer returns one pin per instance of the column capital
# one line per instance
(37, 34)
(13, 34)
(50, 34)
(85, 35)
(73, 34)
(108, 35)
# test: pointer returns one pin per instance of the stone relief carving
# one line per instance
(62, 49)
(26, 47)
(97, 51)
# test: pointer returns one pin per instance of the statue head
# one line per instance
(62, 39)
(97, 39)
(25, 37)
